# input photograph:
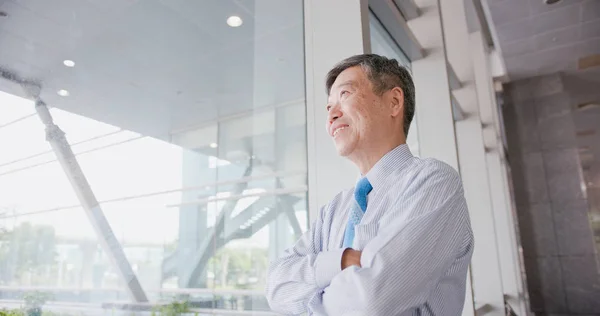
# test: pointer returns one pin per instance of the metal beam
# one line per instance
(243, 225)
(64, 154)
(214, 236)
(219, 235)
(293, 221)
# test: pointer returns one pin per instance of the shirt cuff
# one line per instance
(327, 265)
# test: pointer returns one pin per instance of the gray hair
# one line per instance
(385, 74)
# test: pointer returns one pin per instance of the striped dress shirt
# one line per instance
(416, 242)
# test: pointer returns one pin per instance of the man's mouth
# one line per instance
(337, 130)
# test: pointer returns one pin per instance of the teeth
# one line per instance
(337, 130)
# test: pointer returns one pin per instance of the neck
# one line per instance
(367, 157)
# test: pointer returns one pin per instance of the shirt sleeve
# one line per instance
(411, 253)
(302, 272)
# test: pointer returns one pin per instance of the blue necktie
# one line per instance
(363, 187)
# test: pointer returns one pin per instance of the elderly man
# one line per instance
(400, 241)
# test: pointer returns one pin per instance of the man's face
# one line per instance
(356, 115)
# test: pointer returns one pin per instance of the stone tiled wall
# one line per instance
(557, 240)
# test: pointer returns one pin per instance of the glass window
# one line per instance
(383, 44)
(187, 120)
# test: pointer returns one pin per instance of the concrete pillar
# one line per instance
(433, 100)
(329, 38)
(434, 108)
(106, 237)
(508, 254)
(470, 63)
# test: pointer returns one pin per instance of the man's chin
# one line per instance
(343, 151)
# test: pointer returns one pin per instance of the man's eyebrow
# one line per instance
(351, 83)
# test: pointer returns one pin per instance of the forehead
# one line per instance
(355, 75)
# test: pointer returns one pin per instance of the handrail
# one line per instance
(103, 307)
(76, 154)
(17, 120)
(279, 174)
(300, 189)
(173, 291)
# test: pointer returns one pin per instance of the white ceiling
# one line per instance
(538, 39)
(155, 66)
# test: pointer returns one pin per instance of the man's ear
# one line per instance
(397, 101)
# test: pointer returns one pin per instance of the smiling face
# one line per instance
(360, 121)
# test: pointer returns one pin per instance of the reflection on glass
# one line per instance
(190, 133)
(383, 44)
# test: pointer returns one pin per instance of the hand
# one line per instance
(351, 257)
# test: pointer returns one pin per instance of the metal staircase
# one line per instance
(227, 228)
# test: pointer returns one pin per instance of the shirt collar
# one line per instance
(393, 160)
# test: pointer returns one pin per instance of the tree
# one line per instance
(27, 248)
(234, 267)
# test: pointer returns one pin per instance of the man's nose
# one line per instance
(334, 114)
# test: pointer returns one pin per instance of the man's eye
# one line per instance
(344, 93)
(328, 108)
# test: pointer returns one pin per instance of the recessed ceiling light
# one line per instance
(551, 1)
(213, 145)
(234, 21)
(69, 63)
(63, 93)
